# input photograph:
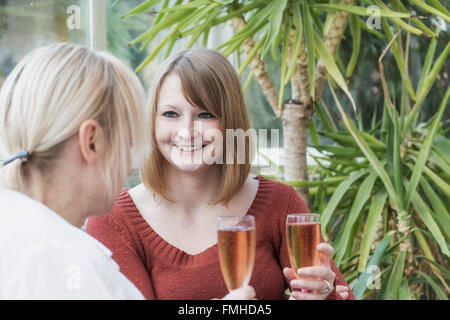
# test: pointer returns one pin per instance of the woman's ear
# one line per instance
(90, 137)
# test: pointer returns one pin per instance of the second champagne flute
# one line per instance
(303, 237)
(236, 239)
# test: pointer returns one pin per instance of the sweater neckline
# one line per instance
(171, 254)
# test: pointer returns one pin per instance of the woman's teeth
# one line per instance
(189, 148)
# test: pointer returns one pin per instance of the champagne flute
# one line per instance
(303, 237)
(236, 239)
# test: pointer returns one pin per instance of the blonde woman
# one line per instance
(70, 121)
(163, 232)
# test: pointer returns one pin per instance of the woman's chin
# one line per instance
(185, 167)
(187, 161)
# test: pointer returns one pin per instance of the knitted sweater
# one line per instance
(162, 271)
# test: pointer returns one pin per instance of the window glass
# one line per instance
(25, 25)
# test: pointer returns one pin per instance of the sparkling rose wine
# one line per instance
(237, 254)
(302, 241)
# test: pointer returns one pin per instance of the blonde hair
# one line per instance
(210, 83)
(51, 92)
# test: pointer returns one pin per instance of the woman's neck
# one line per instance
(193, 190)
(55, 195)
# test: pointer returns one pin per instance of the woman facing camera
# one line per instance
(163, 232)
(70, 122)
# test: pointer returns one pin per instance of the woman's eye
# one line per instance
(205, 115)
(170, 114)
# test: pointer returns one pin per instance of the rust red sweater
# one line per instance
(162, 271)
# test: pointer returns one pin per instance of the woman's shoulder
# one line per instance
(124, 207)
(276, 196)
(274, 183)
(36, 228)
(274, 192)
(124, 203)
(63, 257)
(121, 219)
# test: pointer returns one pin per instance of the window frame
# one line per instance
(97, 25)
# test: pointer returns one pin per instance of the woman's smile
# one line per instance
(189, 148)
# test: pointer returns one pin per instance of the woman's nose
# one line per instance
(190, 130)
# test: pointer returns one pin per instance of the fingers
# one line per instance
(296, 295)
(289, 274)
(316, 285)
(316, 272)
(245, 293)
(342, 291)
(311, 282)
(341, 288)
(325, 254)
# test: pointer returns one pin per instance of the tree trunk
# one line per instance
(299, 80)
(296, 115)
(295, 124)
(332, 41)
(258, 68)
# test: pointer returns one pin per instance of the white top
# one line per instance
(42, 256)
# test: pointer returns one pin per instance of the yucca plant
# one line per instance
(120, 32)
(384, 194)
(304, 36)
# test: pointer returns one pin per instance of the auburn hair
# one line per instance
(209, 82)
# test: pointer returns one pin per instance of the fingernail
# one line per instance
(297, 295)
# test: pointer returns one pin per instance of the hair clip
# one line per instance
(22, 154)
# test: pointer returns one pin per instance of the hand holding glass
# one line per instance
(303, 237)
(236, 239)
